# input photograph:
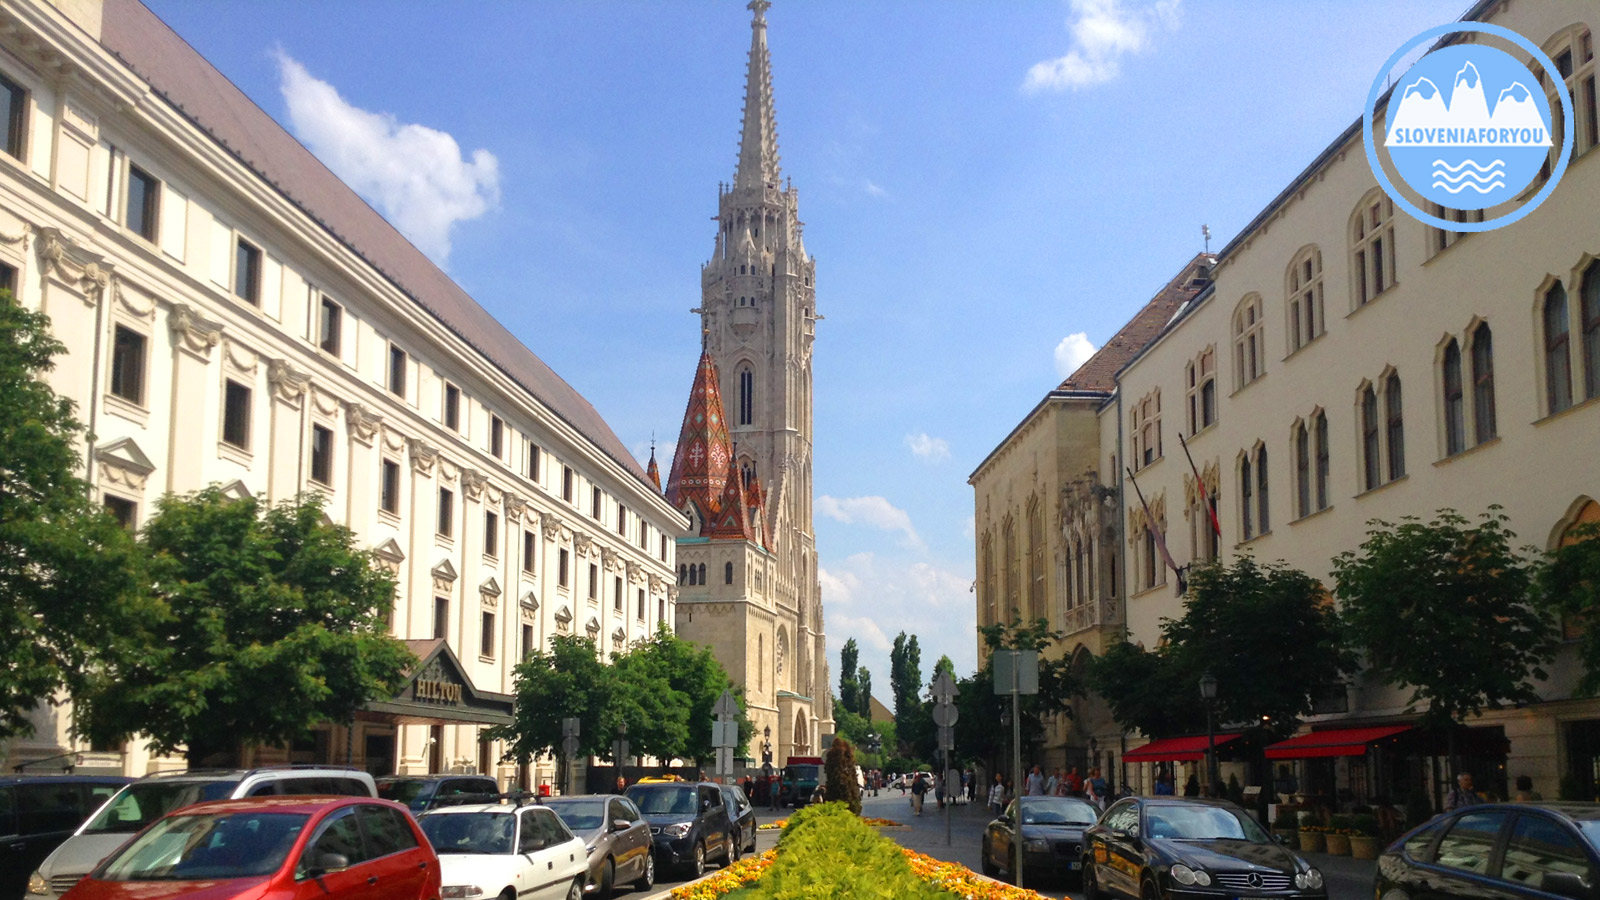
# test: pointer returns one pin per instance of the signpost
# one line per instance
(1016, 672)
(725, 733)
(944, 716)
(619, 747)
(569, 748)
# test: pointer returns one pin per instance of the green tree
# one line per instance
(695, 678)
(1571, 586)
(265, 622)
(656, 713)
(1146, 690)
(567, 681)
(840, 768)
(978, 734)
(863, 693)
(905, 674)
(69, 573)
(1444, 608)
(849, 689)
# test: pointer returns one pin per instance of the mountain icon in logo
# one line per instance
(1425, 119)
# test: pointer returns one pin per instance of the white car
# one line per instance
(502, 851)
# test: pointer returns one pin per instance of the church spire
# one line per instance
(758, 142)
(705, 451)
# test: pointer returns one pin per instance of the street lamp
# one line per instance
(1208, 693)
(766, 746)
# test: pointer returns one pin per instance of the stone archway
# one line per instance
(802, 743)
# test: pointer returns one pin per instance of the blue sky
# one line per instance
(980, 182)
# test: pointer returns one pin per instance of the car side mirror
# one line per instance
(705, 804)
(329, 862)
(1565, 884)
(620, 824)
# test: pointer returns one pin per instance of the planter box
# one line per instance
(1364, 847)
(1311, 842)
(1338, 844)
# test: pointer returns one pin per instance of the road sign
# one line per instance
(944, 687)
(724, 760)
(727, 707)
(569, 746)
(569, 727)
(619, 750)
(1016, 671)
(724, 734)
(945, 714)
(947, 737)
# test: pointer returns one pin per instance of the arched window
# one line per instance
(1455, 429)
(1573, 54)
(761, 662)
(702, 573)
(1305, 298)
(1149, 557)
(747, 396)
(1247, 491)
(1590, 292)
(1395, 420)
(683, 574)
(727, 573)
(1083, 575)
(1369, 438)
(1249, 354)
(1008, 549)
(1202, 391)
(1036, 607)
(1372, 246)
(1320, 426)
(1261, 489)
(1557, 362)
(1302, 470)
(1483, 423)
(989, 579)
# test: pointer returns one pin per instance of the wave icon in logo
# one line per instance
(1456, 148)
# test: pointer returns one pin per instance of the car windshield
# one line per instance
(801, 773)
(483, 832)
(207, 847)
(1201, 823)
(1056, 811)
(140, 804)
(410, 793)
(580, 815)
(663, 799)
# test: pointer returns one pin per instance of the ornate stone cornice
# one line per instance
(632, 569)
(362, 422)
(582, 542)
(63, 259)
(288, 383)
(608, 558)
(472, 483)
(656, 584)
(193, 333)
(550, 524)
(124, 299)
(516, 506)
(423, 455)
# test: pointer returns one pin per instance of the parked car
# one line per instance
(688, 823)
(333, 848)
(37, 813)
(1048, 831)
(743, 815)
(148, 799)
(1162, 848)
(504, 850)
(1509, 851)
(616, 838)
(421, 793)
(801, 777)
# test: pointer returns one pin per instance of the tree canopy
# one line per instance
(1571, 584)
(849, 688)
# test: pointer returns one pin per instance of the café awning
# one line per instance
(1333, 742)
(1177, 749)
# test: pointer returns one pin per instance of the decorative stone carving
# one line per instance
(123, 464)
(193, 333)
(390, 556)
(656, 584)
(444, 576)
(288, 383)
(472, 483)
(423, 455)
(608, 558)
(24, 237)
(324, 402)
(563, 618)
(550, 525)
(592, 627)
(125, 299)
(362, 422)
(62, 258)
(633, 570)
(516, 506)
(582, 543)
(489, 591)
(530, 601)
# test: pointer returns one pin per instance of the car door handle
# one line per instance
(372, 879)
(422, 865)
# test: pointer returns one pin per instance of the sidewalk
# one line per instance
(1347, 878)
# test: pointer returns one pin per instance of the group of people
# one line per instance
(944, 790)
(1060, 783)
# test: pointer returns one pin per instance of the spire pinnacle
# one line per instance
(758, 141)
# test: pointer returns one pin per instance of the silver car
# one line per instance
(616, 837)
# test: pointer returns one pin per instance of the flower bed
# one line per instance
(727, 879)
(874, 821)
(962, 881)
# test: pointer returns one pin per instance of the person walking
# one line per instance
(1051, 783)
(1035, 783)
(1074, 782)
(1191, 788)
(1463, 794)
(997, 795)
(1165, 783)
(1525, 791)
(919, 789)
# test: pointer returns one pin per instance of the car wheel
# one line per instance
(989, 868)
(697, 864)
(1148, 890)
(1091, 887)
(731, 855)
(648, 879)
(575, 892)
(751, 846)
(608, 879)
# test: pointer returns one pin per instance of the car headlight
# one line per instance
(1184, 875)
(37, 883)
(1310, 879)
(459, 891)
(677, 831)
(1036, 845)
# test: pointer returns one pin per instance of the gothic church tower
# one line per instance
(762, 609)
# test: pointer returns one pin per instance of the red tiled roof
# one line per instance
(1099, 372)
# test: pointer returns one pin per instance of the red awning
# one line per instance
(1178, 749)
(1333, 742)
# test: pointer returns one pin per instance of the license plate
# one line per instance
(1072, 866)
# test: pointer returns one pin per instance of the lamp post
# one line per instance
(1208, 693)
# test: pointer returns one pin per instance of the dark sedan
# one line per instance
(1497, 852)
(616, 837)
(1051, 836)
(1173, 848)
(743, 817)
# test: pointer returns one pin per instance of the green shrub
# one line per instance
(828, 852)
(840, 783)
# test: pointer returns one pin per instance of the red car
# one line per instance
(280, 848)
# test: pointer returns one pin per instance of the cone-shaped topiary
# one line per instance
(841, 782)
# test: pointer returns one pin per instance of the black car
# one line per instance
(1176, 848)
(688, 822)
(421, 793)
(1051, 836)
(743, 816)
(616, 838)
(1510, 851)
(37, 813)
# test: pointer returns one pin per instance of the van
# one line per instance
(37, 813)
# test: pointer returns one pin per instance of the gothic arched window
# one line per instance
(747, 396)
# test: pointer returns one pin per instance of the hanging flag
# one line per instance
(1150, 523)
(1211, 510)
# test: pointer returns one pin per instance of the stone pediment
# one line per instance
(390, 551)
(237, 490)
(593, 626)
(122, 462)
(530, 600)
(444, 572)
(490, 587)
(563, 617)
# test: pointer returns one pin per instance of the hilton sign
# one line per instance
(441, 691)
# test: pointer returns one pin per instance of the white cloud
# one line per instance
(872, 598)
(926, 447)
(416, 176)
(874, 190)
(874, 512)
(1073, 351)
(1103, 31)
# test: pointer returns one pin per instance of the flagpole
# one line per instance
(1150, 525)
(1211, 511)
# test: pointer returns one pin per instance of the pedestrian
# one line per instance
(1463, 794)
(997, 795)
(902, 780)
(919, 788)
(971, 781)
(1165, 783)
(938, 791)
(1051, 783)
(1286, 785)
(1191, 788)
(774, 792)
(1092, 788)
(1035, 783)
(1074, 782)
(1525, 791)
(622, 784)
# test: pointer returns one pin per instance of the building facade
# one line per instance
(235, 315)
(1349, 363)
(762, 610)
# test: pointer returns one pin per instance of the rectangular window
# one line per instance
(594, 505)
(1395, 420)
(661, 609)
(529, 545)
(127, 365)
(486, 641)
(533, 461)
(566, 483)
(497, 437)
(8, 279)
(1322, 461)
(594, 582)
(616, 594)
(330, 322)
(441, 617)
(644, 535)
(622, 520)
(144, 204)
(447, 513)
(491, 534)
(641, 604)
(125, 511)
(562, 568)
(247, 272)
(1369, 438)
(13, 116)
(321, 454)
(391, 487)
(452, 407)
(663, 548)
(236, 415)
(397, 371)
(527, 641)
